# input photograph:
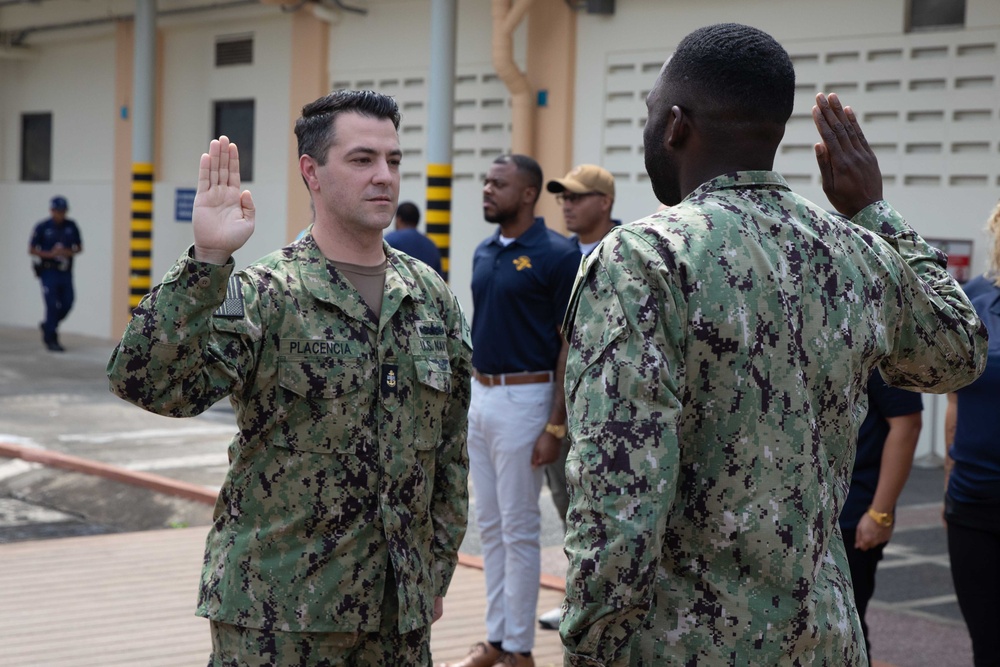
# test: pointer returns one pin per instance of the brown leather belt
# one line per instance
(513, 378)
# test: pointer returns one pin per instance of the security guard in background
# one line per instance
(54, 242)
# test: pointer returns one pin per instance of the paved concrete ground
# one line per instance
(60, 402)
(128, 600)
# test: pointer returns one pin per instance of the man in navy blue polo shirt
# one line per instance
(54, 242)
(521, 281)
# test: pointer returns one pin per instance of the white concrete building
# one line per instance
(928, 97)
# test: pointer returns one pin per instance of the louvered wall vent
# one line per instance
(234, 50)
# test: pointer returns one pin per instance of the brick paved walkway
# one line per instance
(129, 598)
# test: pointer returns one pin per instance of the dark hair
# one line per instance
(734, 72)
(526, 166)
(314, 129)
(408, 213)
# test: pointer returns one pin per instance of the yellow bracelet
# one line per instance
(558, 430)
(883, 519)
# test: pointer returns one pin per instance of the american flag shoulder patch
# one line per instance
(233, 305)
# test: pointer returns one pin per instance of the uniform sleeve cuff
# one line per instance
(881, 218)
(207, 282)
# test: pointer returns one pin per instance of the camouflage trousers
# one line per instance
(236, 646)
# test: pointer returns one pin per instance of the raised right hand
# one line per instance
(852, 179)
(223, 217)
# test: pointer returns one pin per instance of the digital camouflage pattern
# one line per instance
(351, 454)
(235, 646)
(719, 352)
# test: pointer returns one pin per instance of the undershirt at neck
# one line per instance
(368, 280)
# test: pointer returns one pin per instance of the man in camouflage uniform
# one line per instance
(348, 365)
(719, 352)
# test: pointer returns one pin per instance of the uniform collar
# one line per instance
(740, 179)
(400, 283)
(322, 279)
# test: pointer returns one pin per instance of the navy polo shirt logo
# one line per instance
(522, 262)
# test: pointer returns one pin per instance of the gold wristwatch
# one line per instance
(558, 430)
(883, 519)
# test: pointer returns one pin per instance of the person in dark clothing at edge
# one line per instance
(886, 442)
(407, 238)
(972, 476)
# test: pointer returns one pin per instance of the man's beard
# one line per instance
(498, 216)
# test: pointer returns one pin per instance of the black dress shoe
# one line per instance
(54, 346)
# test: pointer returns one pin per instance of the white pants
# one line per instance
(504, 423)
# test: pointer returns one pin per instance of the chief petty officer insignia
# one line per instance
(389, 379)
(522, 262)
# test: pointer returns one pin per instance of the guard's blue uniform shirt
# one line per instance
(520, 293)
(415, 244)
(47, 235)
(883, 402)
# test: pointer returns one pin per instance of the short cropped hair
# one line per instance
(314, 129)
(527, 166)
(735, 72)
(408, 213)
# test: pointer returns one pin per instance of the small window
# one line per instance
(235, 119)
(924, 14)
(36, 147)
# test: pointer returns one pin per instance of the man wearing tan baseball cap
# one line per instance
(586, 194)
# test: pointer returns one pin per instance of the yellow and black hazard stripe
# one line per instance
(141, 241)
(439, 211)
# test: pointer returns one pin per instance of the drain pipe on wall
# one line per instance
(140, 280)
(505, 21)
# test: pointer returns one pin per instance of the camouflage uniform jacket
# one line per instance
(350, 456)
(719, 353)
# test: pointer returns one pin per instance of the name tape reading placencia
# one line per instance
(329, 348)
